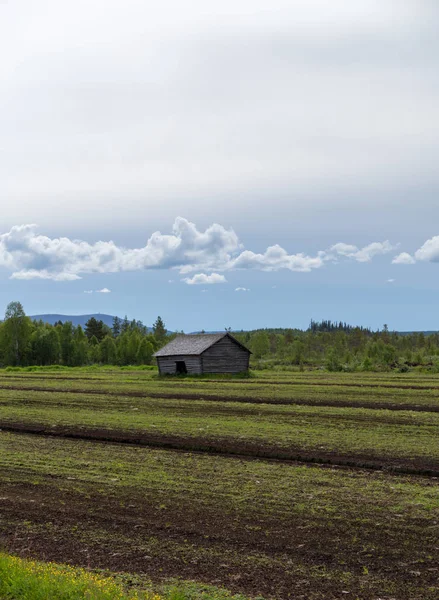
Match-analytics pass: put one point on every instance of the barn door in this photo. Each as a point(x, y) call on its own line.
point(180, 367)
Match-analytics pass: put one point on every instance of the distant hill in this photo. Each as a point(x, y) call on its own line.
point(75, 319)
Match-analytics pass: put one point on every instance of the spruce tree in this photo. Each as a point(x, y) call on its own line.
point(95, 328)
point(117, 323)
point(159, 329)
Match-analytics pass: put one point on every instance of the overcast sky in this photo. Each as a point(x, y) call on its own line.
point(239, 163)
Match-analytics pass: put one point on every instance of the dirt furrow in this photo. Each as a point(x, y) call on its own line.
point(246, 553)
point(232, 447)
point(218, 398)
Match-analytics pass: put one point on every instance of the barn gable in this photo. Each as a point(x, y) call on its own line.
point(226, 355)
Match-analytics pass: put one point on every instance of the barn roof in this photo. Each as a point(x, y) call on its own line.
point(193, 344)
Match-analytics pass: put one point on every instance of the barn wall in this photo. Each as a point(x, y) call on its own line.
point(225, 357)
point(166, 364)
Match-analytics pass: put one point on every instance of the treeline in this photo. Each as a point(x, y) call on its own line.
point(24, 342)
point(328, 345)
point(341, 347)
point(331, 326)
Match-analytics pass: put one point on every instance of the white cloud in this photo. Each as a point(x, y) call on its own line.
point(429, 252)
point(241, 289)
point(203, 278)
point(30, 255)
point(404, 259)
point(44, 274)
point(103, 291)
point(365, 254)
point(88, 291)
point(391, 281)
point(275, 258)
point(343, 249)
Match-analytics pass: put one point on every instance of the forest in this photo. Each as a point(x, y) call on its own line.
point(342, 347)
point(324, 345)
point(24, 342)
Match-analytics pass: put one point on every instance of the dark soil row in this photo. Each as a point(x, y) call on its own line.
point(219, 398)
point(250, 553)
point(95, 532)
point(232, 447)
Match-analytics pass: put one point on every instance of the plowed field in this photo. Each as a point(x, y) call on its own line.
point(307, 486)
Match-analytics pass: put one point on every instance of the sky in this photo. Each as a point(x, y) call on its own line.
point(245, 163)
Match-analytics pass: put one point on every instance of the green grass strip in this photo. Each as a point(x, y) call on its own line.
point(31, 580)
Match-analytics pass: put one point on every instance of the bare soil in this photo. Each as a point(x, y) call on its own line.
point(255, 554)
point(231, 447)
point(239, 399)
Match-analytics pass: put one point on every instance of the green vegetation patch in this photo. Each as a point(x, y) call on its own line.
point(32, 580)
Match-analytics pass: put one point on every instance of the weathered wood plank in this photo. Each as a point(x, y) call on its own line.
point(225, 356)
point(167, 364)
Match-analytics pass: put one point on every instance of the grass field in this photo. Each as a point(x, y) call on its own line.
point(282, 485)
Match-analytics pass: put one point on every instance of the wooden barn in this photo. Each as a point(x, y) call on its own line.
point(203, 353)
